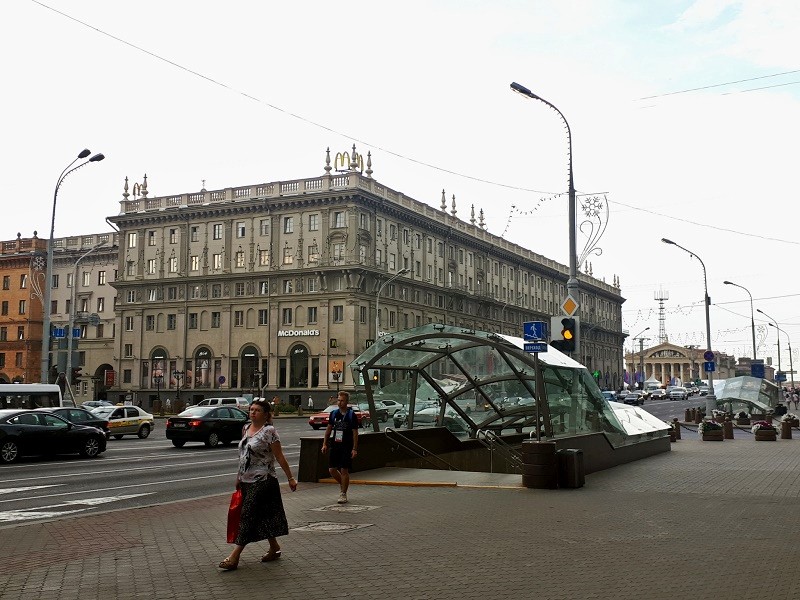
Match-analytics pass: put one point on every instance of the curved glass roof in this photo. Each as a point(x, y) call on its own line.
point(475, 381)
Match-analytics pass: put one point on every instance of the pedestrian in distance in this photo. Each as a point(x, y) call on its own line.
point(262, 516)
point(343, 444)
point(310, 403)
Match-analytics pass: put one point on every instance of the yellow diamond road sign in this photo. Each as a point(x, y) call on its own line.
point(569, 306)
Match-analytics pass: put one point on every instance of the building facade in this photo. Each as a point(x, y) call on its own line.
point(273, 289)
point(669, 363)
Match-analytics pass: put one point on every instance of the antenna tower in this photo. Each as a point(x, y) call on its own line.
point(661, 296)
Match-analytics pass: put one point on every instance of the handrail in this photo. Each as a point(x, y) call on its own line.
point(424, 455)
point(491, 441)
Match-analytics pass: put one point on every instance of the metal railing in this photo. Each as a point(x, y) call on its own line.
point(495, 444)
point(417, 450)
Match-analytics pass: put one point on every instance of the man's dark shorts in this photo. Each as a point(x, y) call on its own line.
point(340, 456)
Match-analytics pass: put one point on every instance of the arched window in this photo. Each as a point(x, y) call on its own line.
point(298, 366)
point(203, 368)
point(250, 367)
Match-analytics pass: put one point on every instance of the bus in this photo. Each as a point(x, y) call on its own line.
point(32, 395)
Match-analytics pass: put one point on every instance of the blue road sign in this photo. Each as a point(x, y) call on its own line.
point(757, 370)
point(708, 355)
point(76, 332)
point(534, 331)
point(780, 376)
point(709, 366)
point(535, 347)
point(59, 332)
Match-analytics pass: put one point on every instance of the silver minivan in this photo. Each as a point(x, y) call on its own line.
point(238, 402)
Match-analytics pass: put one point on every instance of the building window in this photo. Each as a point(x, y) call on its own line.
point(363, 222)
point(313, 253)
point(313, 222)
point(216, 261)
point(378, 227)
point(240, 229)
point(130, 296)
point(240, 259)
point(216, 290)
point(263, 316)
point(216, 317)
point(418, 241)
point(288, 224)
point(194, 233)
point(192, 320)
point(151, 267)
point(54, 307)
point(238, 289)
point(392, 261)
point(172, 321)
point(3, 334)
point(173, 236)
point(263, 227)
point(263, 258)
point(338, 313)
point(6, 282)
point(54, 281)
point(128, 323)
point(99, 330)
point(2, 360)
point(195, 262)
point(22, 306)
point(150, 323)
point(151, 238)
point(23, 281)
point(286, 316)
point(288, 257)
point(338, 219)
point(126, 375)
point(312, 314)
point(4, 309)
point(216, 231)
point(238, 318)
point(362, 314)
point(173, 264)
point(311, 284)
point(152, 295)
point(101, 304)
point(132, 239)
point(194, 292)
point(391, 318)
point(263, 287)
point(21, 332)
point(378, 256)
point(406, 237)
point(392, 232)
point(101, 278)
point(287, 286)
point(127, 351)
point(172, 293)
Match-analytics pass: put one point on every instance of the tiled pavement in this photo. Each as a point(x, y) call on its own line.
point(707, 520)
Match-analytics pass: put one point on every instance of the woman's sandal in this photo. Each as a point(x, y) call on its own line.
point(270, 556)
point(228, 565)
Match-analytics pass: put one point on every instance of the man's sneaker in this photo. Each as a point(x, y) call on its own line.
point(342, 498)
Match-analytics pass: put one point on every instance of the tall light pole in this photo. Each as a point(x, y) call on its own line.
point(791, 366)
point(633, 354)
point(48, 282)
point(780, 383)
point(378, 300)
point(72, 300)
point(752, 316)
point(711, 399)
point(572, 282)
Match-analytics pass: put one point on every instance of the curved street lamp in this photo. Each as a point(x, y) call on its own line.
point(789, 341)
point(48, 284)
point(572, 282)
point(378, 300)
point(775, 325)
point(711, 399)
point(641, 351)
point(752, 316)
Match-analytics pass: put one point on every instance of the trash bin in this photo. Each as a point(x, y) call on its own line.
point(570, 468)
point(539, 468)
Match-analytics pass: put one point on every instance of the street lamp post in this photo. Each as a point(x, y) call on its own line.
point(711, 399)
point(378, 300)
point(48, 282)
point(337, 375)
point(572, 282)
point(775, 325)
point(789, 341)
point(178, 375)
point(633, 355)
point(72, 301)
point(158, 379)
point(752, 316)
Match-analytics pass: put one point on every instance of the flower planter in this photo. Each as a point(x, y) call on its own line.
point(715, 435)
point(766, 435)
point(794, 422)
point(743, 421)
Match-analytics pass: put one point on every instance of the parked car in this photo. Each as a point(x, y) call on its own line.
point(320, 419)
point(678, 393)
point(33, 432)
point(238, 402)
point(391, 406)
point(126, 420)
point(81, 416)
point(609, 396)
point(703, 390)
point(212, 425)
point(659, 394)
point(90, 404)
point(381, 411)
point(634, 399)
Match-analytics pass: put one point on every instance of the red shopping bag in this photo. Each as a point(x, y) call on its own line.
point(234, 513)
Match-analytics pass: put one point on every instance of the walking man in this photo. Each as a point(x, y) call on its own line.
point(343, 424)
point(310, 403)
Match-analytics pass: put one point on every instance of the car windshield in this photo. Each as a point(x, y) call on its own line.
point(196, 411)
point(104, 411)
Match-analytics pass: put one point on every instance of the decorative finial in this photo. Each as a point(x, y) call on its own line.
point(203, 188)
point(19, 235)
point(444, 202)
point(144, 186)
point(125, 193)
point(454, 211)
point(369, 164)
point(328, 161)
point(472, 215)
point(481, 222)
point(35, 234)
point(354, 159)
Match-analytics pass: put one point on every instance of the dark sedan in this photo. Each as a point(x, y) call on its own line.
point(80, 416)
point(212, 425)
point(634, 399)
point(33, 432)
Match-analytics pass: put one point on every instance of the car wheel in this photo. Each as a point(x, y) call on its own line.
point(9, 451)
point(144, 431)
point(178, 443)
point(315, 427)
point(213, 440)
point(384, 418)
point(117, 437)
point(91, 448)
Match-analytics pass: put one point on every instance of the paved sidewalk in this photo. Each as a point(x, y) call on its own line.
point(707, 520)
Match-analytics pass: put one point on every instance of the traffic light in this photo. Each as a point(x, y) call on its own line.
point(76, 373)
point(565, 333)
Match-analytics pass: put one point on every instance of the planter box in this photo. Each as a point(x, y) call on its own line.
point(743, 421)
point(766, 435)
point(715, 435)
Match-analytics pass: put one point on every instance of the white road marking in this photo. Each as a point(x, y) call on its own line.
point(28, 488)
point(29, 514)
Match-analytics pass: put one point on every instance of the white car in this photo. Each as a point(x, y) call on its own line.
point(678, 393)
point(389, 405)
point(126, 420)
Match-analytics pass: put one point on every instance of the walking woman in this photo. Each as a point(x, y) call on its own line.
point(263, 517)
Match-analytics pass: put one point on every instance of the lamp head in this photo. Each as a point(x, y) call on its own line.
point(666, 241)
point(728, 283)
point(403, 271)
point(760, 311)
point(97, 157)
point(84, 153)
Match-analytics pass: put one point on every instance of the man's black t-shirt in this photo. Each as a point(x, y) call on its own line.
point(342, 427)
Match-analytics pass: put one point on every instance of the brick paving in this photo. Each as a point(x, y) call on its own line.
point(706, 520)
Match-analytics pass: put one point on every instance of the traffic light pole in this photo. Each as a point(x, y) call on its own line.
point(72, 301)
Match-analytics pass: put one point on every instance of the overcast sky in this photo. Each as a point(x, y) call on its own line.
point(684, 116)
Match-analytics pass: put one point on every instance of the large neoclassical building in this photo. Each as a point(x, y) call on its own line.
point(668, 363)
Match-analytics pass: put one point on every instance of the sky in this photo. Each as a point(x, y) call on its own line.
point(683, 115)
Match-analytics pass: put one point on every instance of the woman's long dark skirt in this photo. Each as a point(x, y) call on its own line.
point(263, 516)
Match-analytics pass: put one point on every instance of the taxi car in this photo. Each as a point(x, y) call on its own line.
point(320, 419)
point(126, 420)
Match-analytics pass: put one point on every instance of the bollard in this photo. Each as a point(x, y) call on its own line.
point(677, 427)
point(727, 429)
point(687, 416)
point(698, 417)
point(539, 467)
point(786, 430)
